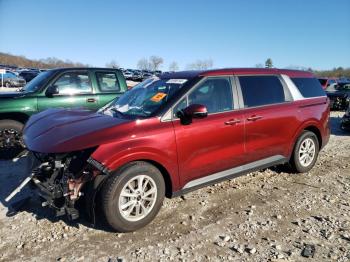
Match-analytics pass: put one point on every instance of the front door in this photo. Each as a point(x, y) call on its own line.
point(215, 143)
point(75, 91)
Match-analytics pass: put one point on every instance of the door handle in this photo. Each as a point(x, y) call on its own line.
point(254, 118)
point(91, 100)
point(232, 122)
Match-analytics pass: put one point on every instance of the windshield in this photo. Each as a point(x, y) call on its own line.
point(145, 98)
point(37, 82)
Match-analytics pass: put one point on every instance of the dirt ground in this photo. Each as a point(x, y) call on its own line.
point(265, 216)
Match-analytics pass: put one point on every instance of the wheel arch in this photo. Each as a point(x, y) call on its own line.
point(165, 174)
point(16, 116)
point(94, 187)
point(99, 180)
point(310, 126)
point(314, 129)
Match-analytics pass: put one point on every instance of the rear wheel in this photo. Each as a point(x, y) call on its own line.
point(11, 143)
point(305, 152)
point(132, 197)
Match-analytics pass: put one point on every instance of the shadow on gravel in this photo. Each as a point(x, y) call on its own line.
point(12, 173)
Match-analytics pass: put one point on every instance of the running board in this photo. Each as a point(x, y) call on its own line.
point(231, 173)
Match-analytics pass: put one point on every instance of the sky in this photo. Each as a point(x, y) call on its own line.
point(233, 33)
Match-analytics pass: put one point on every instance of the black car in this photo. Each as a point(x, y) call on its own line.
point(339, 95)
point(146, 74)
point(28, 75)
point(345, 122)
point(136, 76)
point(10, 79)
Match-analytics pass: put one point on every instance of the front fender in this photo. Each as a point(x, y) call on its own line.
point(114, 157)
point(27, 106)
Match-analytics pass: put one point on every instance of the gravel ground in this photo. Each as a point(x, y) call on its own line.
point(265, 216)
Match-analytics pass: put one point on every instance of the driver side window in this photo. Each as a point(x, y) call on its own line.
point(214, 93)
point(71, 83)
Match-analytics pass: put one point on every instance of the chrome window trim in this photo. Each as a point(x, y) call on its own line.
point(292, 88)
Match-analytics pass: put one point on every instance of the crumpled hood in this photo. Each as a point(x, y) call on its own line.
point(63, 130)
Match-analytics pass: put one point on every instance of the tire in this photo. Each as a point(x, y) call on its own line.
point(115, 194)
point(6, 151)
point(307, 142)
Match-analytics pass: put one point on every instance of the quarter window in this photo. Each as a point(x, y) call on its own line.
point(73, 83)
point(262, 90)
point(108, 81)
point(309, 87)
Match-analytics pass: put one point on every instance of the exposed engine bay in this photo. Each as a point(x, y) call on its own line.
point(59, 179)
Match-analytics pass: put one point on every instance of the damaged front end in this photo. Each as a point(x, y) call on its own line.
point(62, 179)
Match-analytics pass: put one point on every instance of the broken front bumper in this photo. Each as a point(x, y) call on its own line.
point(60, 181)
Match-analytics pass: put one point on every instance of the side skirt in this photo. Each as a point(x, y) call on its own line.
point(230, 174)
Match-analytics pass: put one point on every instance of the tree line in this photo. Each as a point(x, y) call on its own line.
point(152, 63)
point(50, 62)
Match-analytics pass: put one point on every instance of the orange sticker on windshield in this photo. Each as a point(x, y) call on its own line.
point(158, 97)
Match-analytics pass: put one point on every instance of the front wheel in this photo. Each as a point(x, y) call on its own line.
point(11, 142)
point(132, 197)
point(305, 152)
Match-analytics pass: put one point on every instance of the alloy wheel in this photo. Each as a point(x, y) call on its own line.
point(137, 198)
point(307, 152)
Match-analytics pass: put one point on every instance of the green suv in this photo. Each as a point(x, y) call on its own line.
point(89, 88)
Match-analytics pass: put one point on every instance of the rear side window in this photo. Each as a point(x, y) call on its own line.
point(262, 90)
point(309, 87)
point(108, 81)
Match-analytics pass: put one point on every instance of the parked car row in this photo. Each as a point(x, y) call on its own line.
point(28, 75)
point(138, 75)
point(10, 79)
point(14, 76)
point(339, 95)
point(167, 136)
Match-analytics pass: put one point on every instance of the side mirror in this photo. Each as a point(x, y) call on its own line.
point(193, 111)
point(51, 91)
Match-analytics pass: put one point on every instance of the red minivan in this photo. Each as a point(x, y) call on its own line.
point(172, 134)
